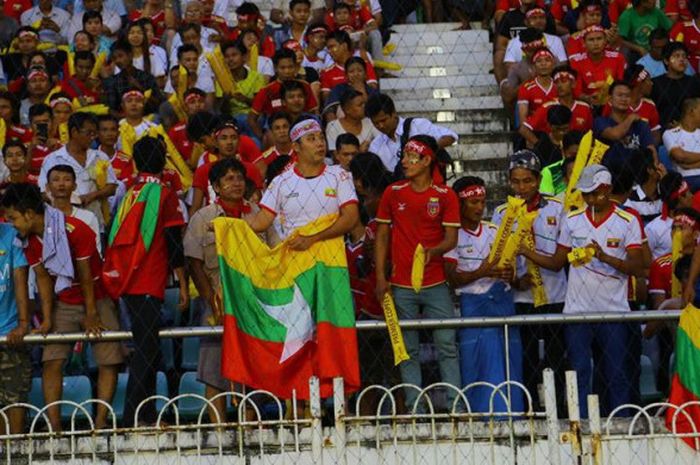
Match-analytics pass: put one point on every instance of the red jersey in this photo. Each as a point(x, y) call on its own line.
point(560, 8)
point(335, 75)
point(581, 117)
point(217, 23)
point(248, 151)
point(158, 21)
point(38, 155)
point(81, 241)
point(360, 17)
point(596, 76)
point(29, 178)
point(201, 178)
point(15, 8)
point(19, 132)
point(661, 276)
point(417, 218)
point(75, 88)
point(688, 33)
point(646, 110)
point(680, 8)
point(505, 5)
point(268, 47)
point(616, 7)
point(268, 100)
point(125, 171)
point(535, 95)
point(363, 276)
point(155, 263)
point(178, 134)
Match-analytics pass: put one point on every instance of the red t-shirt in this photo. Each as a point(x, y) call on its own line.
point(646, 110)
point(268, 47)
point(335, 75)
point(616, 7)
point(417, 218)
point(178, 134)
point(661, 276)
point(535, 95)
point(201, 178)
point(268, 100)
point(18, 132)
point(38, 155)
point(559, 8)
point(158, 21)
point(688, 33)
point(363, 281)
point(505, 5)
point(680, 8)
point(81, 241)
point(248, 151)
point(155, 263)
point(15, 8)
point(360, 17)
point(76, 89)
point(581, 117)
point(594, 75)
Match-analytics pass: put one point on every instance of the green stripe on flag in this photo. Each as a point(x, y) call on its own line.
point(330, 300)
point(688, 363)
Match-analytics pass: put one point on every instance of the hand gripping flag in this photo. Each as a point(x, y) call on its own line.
point(288, 315)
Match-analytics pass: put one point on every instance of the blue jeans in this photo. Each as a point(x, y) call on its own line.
point(693, 182)
point(612, 341)
point(435, 302)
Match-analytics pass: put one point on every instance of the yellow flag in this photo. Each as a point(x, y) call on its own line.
point(395, 334)
point(418, 268)
point(676, 252)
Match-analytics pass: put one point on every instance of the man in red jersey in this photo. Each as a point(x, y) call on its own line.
point(688, 33)
point(195, 101)
point(341, 50)
point(81, 86)
point(412, 213)
point(540, 89)
point(62, 252)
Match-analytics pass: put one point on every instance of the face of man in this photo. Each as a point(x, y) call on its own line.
point(27, 44)
point(40, 120)
point(595, 43)
point(598, 199)
point(22, 222)
point(473, 209)
point(677, 62)
point(286, 69)
point(295, 101)
point(5, 110)
point(345, 153)
point(564, 86)
point(61, 185)
point(231, 187)
point(15, 159)
point(537, 21)
point(386, 123)
point(318, 40)
point(280, 131)
point(62, 112)
point(524, 183)
point(656, 48)
point(121, 58)
point(544, 65)
point(190, 60)
point(84, 136)
point(83, 68)
point(338, 51)
point(620, 98)
point(311, 148)
point(38, 86)
point(108, 133)
point(592, 18)
point(133, 107)
point(227, 142)
point(414, 164)
point(234, 58)
point(194, 105)
point(300, 13)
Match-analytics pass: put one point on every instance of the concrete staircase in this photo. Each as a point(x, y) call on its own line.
point(446, 78)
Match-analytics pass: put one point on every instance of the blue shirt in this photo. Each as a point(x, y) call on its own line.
point(656, 68)
point(11, 257)
point(638, 137)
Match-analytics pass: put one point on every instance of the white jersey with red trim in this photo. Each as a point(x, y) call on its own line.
point(658, 233)
point(473, 247)
point(598, 287)
point(297, 201)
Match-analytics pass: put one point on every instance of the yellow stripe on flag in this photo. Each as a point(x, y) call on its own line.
point(277, 268)
point(690, 324)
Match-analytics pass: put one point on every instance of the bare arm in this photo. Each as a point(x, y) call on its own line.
point(616, 133)
point(446, 141)
point(528, 135)
point(551, 262)
point(632, 265)
point(381, 247)
point(499, 54)
point(261, 221)
point(44, 284)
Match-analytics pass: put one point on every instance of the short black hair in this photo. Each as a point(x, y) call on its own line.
point(91, 14)
point(237, 44)
point(669, 184)
point(341, 37)
point(530, 34)
point(290, 86)
point(617, 84)
point(355, 60)
point(623, 174)
point(279, 115)
point(277, 167)
point(220, 168)
point(347, 96)
point(201, 124)
point(564, 69)
point(107, 117)
point(182, 49)
point(189, 26)
point(282, 54)
point(379, 103)
point(23, 197)
point(672, 47)
point(121, 45)
point(340, 6)
point(78, 119)
point(84, 55)
point(571, 138)
point(662, 34)
point(633, 69)
point(149, 155)
point(194, 91)
point(248, 8)
point(39, 109)
point(558, 115)
point(14, 143)
point(294, 3)
point(368, 169)
point(346, 138)
point(61, 169)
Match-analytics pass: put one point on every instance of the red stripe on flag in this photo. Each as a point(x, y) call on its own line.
point(255, 362)
point(686, 418)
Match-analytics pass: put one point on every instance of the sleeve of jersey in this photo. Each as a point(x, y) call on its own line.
point(676, 33)
point(656, 285)
point(81, 240)
point(384, 210)
point(671, 8)
point(258, 104)
point(451, 256)
point(18, 257)
point(451, 216)
point(502, 5)
point(535, 120)
point(346, 190)
point(365, 15)
point(269, 198)
point(654, 120)
point(311, 101)
point(250, 150)
point(371, 74)
point(325, 82)
point(200, 180)
point(565, 235)
point(171, 212)
point(633, 235)
point(523, 96)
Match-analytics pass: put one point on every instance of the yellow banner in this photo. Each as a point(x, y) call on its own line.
point(395, 334)
point(418, 268)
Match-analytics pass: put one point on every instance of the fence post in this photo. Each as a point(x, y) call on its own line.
point(550, 405)
point(596, 429)
point(573, 436)
point(340, 432)
point(316, 427)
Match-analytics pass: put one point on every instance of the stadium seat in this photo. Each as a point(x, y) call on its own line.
point(167, 350)
point(647, 381)
point(171, 314)
point(190, 353)
point(189, 384)
point(77, 389)
point(119, 400)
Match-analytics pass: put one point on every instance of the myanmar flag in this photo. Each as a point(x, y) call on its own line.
point(686, 381)
point(288, 314)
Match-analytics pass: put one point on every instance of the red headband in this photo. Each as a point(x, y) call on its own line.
point(316, 30)
point(28, 33)
point(193, 98)
point(133, 93)
point(535, 12)
point(245, 18)
point(592, 29)
point(593, 9)
point(674, 196)
point(542, 53)
point(685, 220)
point(293, 45)
point(472, 191)
point(55, 102)
point(224, 127)
point(535, 44)
point(420, 148)
point(35, 73)
point(562, 75)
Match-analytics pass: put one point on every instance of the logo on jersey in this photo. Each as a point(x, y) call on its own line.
point(433, 206)
point(551, 221)
point(614, 243)
point(402, 206)
point(330, 192)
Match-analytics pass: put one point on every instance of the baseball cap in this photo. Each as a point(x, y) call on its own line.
point(525, 159)
point(593, 177)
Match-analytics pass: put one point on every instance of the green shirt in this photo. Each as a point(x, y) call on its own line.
point(553, 179)
point(636, 29)
point(249, 86)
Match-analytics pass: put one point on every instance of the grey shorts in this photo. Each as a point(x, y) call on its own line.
point(209, 366)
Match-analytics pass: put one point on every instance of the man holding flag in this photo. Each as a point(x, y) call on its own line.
point(288, 311)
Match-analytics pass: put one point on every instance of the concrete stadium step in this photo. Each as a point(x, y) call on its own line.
point(453, 104)
point(459, 59)
point(476, 120)
point(477, 126)
point(431, 27)
point(480, 152)
point(440, 82)
point(439, 48)
point(471, 69)
point(438, 93)
point(448, 40)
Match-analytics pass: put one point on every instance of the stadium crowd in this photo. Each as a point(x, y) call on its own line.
point(186, 112)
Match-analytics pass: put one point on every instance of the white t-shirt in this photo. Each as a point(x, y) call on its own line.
point(658, 233)
point(688, 141)
point(334, 129)
point(514, 52)
point(546, 232)
point(297, 201)
point(473, 247)
point(598, 287)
